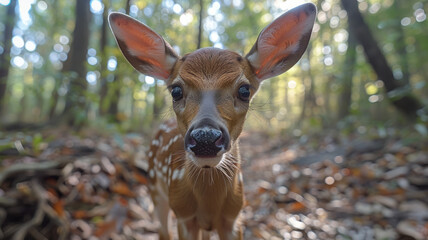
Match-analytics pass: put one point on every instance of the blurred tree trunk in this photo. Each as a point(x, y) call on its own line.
point(103, 63)
point(9, 23)
point(127, 6)
point(327, 118)
point(347, 74)
point(55, 95)
point(113, 101)
point(287, 100)
point(399, 94)
point(116, 85)
point(200, 27)
point(272, 104)
point(75, 105)
point(400, 44)
point(309, 94)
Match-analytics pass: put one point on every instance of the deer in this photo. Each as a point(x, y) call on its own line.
point(194, 163)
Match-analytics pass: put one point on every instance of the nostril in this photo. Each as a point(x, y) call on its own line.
point(220, 142)
point(191, 143)
point(205, 142)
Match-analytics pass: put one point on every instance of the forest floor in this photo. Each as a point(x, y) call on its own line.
point(57, 185)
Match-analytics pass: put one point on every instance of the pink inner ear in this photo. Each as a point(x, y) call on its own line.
point(281, 38)
point(143, 48)
point(281, 44)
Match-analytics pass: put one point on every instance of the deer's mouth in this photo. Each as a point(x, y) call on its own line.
point(205, 162)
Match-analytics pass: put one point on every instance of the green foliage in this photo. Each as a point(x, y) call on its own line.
point(37, 88)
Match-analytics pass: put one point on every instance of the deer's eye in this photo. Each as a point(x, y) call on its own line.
point(176, 93)
point(244, 93)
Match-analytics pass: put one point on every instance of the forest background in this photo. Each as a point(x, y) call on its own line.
point(54, 64)
point(361, 87)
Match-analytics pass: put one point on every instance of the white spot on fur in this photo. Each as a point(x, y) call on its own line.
point(155, 142)
point(171, 141)
point(181, 173)
point(175, 174)
point(150, 154)
point(165, 128)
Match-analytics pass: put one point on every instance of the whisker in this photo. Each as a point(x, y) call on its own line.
point(211, 176)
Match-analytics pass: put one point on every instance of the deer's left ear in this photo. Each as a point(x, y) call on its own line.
point(281, 44)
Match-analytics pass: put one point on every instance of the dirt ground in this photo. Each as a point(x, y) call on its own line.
point(89, 186)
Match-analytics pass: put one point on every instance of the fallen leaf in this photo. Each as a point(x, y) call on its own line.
point(58, 206)
point(123, 189)
point(79, 214)
point(295, 207)
point(140, 178)
point(410, 228)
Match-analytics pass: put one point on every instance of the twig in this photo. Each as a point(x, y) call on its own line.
point(3, 216)
point(36, 234)
point(7, 202)
point(63, 229)
point(23, 167)
point(38, 216)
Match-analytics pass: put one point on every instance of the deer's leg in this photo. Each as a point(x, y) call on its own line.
point(206, 235)
point(230, 230)
point(188, 229)
point(162, 212)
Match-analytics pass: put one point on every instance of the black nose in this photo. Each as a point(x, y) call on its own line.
point(205, 142)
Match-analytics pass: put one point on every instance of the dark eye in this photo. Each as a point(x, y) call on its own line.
point(176, 93)
point(244, 93)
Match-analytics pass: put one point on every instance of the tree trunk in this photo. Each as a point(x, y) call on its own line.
point(309, 94)
point(9, 23)
point(400, 44)
point(75, 105)
point(201, 18)
point(345, 96)
point(113, 108)
point(55, 95)
point(114, 96)
point(103, 80)
point(399, 94)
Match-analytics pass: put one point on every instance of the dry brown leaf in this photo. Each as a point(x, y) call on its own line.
point(295, 188)
point(123, 189)
point(388, 192)
point(79, 214)
point(296, 207)
point(58, 206)
point(140, 178)
point(105, 228)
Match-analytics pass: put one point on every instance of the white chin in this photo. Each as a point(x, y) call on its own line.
point(204, 162)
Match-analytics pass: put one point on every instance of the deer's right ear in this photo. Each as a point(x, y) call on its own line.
point(147, 52)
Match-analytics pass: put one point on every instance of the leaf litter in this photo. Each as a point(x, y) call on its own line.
point(65, 186)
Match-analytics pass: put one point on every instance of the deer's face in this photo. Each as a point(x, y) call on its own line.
point(211, 90)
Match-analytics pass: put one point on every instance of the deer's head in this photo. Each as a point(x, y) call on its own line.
point(212, 88)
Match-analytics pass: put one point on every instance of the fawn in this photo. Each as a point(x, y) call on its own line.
point(194, 160)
